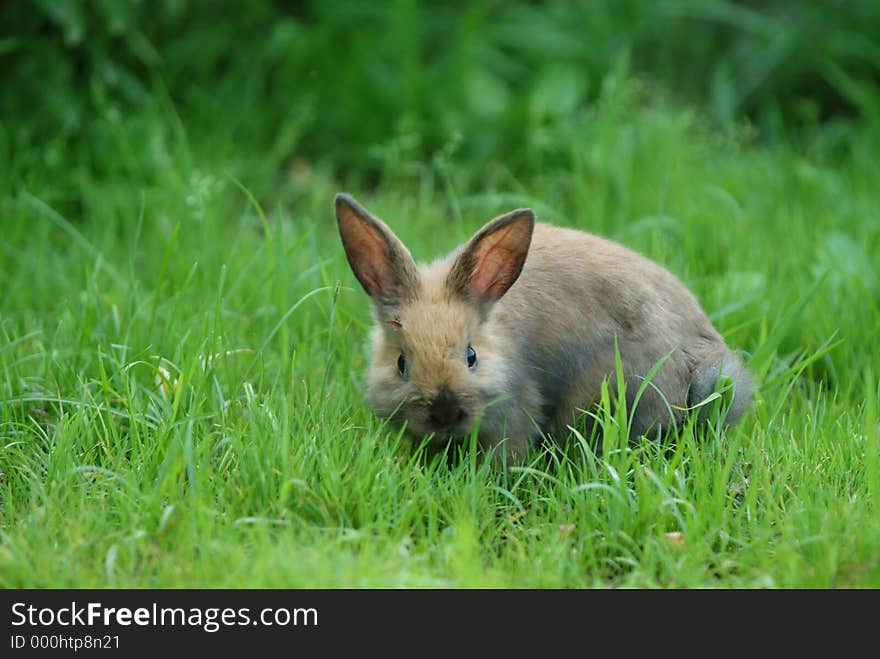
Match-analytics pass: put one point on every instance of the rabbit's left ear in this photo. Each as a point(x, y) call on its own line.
point(381, 263)
point(493, 259)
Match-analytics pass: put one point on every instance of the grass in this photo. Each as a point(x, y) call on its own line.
point(180, 364)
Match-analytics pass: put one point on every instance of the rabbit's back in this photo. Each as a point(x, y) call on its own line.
point(578, 293)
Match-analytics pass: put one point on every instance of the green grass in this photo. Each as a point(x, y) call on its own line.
point(180, 366)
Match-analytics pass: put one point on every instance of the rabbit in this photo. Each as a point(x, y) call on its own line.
point(516, 330)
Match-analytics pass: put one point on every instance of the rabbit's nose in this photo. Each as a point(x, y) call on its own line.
point(445, 411)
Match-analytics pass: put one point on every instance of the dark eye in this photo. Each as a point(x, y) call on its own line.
point(471, 356)
point(401, 364)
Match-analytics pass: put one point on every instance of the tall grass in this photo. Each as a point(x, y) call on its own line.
point(181, 370)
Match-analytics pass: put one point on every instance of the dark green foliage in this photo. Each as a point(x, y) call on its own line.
point(365, 84)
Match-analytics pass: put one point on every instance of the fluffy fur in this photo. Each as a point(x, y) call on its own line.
point(540, 306)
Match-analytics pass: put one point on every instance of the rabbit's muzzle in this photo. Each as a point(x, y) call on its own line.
point(445, 411)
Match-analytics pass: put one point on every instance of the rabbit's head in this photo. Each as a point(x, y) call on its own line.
point(436, 364)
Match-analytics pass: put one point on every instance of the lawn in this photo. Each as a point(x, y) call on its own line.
point(182, 346)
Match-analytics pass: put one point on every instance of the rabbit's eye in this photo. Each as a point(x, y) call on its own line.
point(471, 357)
point(401, 364)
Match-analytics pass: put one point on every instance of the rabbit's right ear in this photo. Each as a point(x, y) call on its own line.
point(381, 263)
point(492, 260)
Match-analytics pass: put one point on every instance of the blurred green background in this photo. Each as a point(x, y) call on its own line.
point(369, 89)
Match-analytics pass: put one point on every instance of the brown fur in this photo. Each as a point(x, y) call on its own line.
point(541, 306)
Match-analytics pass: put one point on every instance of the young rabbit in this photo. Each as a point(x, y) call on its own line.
point(516, 330)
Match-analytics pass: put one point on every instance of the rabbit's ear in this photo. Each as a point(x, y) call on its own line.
point(493, 259)
point(381, 263)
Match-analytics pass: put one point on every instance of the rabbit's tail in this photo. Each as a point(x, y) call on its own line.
point(727, 375)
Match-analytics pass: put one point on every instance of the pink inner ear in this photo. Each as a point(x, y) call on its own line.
point(369, 277)
point(370, 262)
point(496, 266)
point(492, 274)
point(370, 281)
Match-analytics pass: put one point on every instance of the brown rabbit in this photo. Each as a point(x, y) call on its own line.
point(516, 330)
